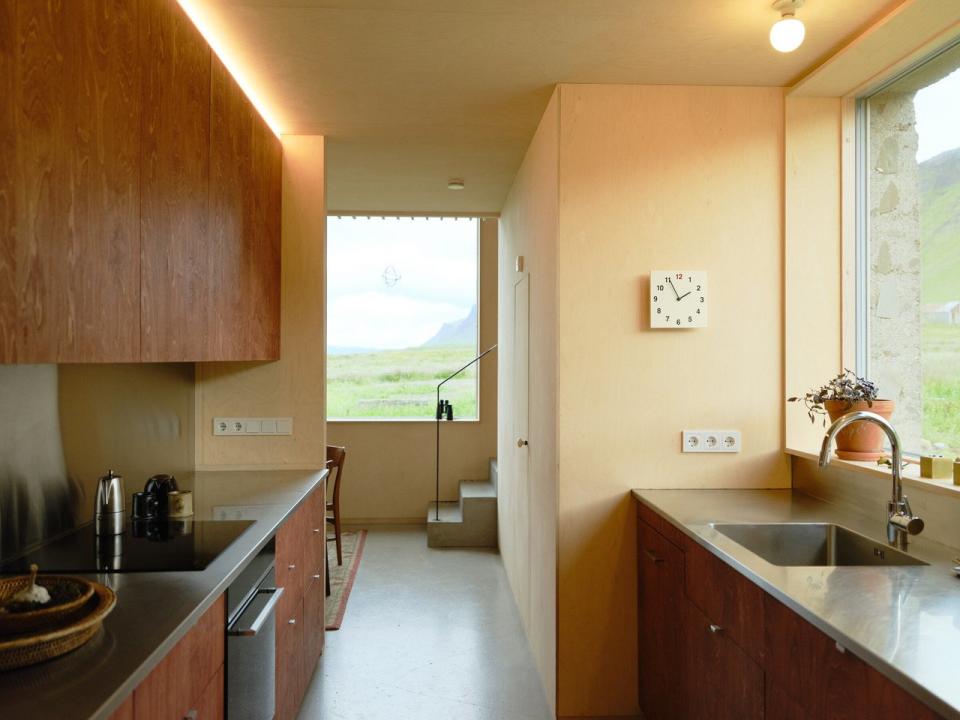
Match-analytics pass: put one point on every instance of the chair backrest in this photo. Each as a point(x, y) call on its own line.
point(336, 457)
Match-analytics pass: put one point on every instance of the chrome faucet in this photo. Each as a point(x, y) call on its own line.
point(901, 522)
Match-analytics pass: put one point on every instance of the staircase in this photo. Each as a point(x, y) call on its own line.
point(470, 521)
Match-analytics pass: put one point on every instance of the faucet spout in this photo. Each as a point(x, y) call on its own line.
point(900, 519)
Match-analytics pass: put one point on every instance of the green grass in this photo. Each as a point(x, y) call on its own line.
point(400, 383)
point(940, 355)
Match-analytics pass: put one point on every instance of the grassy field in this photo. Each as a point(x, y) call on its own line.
point(941, 385)
point(400, 383)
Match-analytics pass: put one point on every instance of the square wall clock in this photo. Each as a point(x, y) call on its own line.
point(678, 299)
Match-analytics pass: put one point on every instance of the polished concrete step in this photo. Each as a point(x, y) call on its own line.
point(469, 522)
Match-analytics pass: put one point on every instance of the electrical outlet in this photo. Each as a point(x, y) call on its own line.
point(252, 426)
point(711, 441)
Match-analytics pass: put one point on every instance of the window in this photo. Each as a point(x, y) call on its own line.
point(401, 316)
point(909, 250)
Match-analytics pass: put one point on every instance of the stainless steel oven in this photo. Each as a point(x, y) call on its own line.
point(251, 641)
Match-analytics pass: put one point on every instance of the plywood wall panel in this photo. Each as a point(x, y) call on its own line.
point(177, 267)
point(656, 178)
point(77, 120)
point(527, 503)
point(295, 385)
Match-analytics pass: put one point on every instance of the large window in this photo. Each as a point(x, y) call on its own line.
point(401, 316)
point(909, 307)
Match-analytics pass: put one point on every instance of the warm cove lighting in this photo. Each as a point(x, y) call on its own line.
point(788, 32)
point(214, 33)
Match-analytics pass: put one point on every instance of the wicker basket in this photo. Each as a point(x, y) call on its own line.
point(18, 623)
point(24, 650)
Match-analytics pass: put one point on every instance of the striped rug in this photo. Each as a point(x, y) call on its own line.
point(342, 576)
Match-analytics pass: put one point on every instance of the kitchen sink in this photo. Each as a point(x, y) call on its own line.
point(803, 544)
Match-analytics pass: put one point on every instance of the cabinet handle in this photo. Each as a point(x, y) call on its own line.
point(715, 629)
point(316, 531)
point(191, 715)
point(316, 577)
point(291, 566)
point(653, 556)
point(292, 621)
point(840, 648)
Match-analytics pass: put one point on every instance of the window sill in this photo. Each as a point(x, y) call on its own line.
point(402, 421)
point(911, 473)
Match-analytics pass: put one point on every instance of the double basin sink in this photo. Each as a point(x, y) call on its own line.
point(813, 544)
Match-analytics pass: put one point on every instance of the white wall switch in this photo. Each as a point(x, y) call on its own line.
point(252, 426)
point(710, 441)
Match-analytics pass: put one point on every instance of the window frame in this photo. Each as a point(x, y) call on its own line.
point(478, 218)
point(862, 211)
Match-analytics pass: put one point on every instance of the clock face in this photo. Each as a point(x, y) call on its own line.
point(678, 299)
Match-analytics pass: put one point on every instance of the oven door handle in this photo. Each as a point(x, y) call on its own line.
point(265, 613)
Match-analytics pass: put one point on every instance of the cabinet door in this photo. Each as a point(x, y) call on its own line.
point(290, 652)
point(210, 705)
point(176, 263)
point(69, 226)
point(660, 595)
point(313, 625)
point(723, 683)
point(244, 225)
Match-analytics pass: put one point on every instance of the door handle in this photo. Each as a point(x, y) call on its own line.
point(715, 629)
point(521, 443)
point(265, 613)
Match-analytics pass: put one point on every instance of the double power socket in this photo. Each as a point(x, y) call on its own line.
point(711, 441)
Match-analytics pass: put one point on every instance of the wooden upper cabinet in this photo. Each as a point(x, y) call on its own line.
point(139, 191)
point(69, 260)
point(244, 222)
point(176, 263)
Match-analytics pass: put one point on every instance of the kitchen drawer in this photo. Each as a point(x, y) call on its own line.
point(290, 661)
point(177, 684)
point(660, 524)
point(313, 628)
point(314, 509)
point(722, 682)
point(826, 681)
point(291, 555)
point(726, 597)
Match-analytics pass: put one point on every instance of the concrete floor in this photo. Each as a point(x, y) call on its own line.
point(428, 635)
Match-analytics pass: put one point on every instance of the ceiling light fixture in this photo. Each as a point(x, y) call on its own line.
point(788, 32)
point(456, 184)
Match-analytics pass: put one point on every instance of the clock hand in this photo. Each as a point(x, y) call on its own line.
point(685, 294)
point(674, 289)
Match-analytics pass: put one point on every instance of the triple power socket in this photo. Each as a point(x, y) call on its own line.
point(711, 441)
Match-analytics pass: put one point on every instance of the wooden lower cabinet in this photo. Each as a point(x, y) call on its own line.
point(743, 655)
point(723, 683)
point(660, 569)
point(190, 678)
point(301, 552)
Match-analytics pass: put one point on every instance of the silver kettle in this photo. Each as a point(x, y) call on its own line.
point(108, 509)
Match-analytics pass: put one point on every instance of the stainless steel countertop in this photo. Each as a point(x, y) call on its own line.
point(155, 610)
point(903, 621)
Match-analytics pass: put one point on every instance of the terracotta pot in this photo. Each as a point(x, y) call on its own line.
point(860, 440)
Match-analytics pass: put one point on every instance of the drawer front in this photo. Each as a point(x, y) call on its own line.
point(290, 671)
point(727, 598)
point(723, 683)
point(291, 555)
point(314, 535)
point(660, 524)
point(808, 667)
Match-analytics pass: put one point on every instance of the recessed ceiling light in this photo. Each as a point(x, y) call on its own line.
point(788, 32)
point(456, 184)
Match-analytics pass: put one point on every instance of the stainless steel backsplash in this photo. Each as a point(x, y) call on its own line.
point(61, 427)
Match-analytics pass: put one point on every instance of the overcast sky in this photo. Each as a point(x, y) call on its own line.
point(938, 116)
point(393, 282)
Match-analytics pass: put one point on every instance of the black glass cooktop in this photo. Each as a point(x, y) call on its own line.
point(145, 546)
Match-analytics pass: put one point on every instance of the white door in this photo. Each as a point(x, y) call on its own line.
point(521, 416)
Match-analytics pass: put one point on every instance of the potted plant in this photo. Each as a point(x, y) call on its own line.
point(847, 393)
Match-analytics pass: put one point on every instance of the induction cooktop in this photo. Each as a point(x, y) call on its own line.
point(144, 546)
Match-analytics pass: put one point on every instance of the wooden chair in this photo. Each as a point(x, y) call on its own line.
point(336, 457)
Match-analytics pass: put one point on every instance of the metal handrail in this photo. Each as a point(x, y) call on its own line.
point(440, 413)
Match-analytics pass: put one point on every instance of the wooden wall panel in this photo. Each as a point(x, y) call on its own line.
point(176, 263)
point(8, 281)
point(244, 225)
point(77, 197)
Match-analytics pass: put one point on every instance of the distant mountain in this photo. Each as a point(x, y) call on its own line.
point(459, 332)
point(940, 227)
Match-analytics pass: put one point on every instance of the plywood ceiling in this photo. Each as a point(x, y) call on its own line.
point(411, 93)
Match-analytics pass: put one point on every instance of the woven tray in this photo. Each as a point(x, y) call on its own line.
point(23, 650)
point(19, 623)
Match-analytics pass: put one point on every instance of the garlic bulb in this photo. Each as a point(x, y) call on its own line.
point(33, 593)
